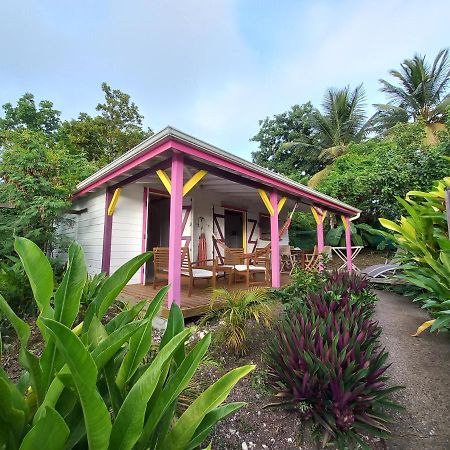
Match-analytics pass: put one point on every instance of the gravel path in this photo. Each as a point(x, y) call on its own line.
point(422, 365)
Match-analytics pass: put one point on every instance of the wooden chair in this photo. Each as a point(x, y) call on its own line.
point(287, 258)
point(254, 263)
point(312, 260)
point(189, 269)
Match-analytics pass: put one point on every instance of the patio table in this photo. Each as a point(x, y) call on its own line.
point(341, 252)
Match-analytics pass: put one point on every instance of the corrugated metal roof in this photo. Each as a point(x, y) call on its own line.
point(175, 134)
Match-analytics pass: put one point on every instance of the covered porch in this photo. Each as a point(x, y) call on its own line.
point(193, 306)
point(189, 188)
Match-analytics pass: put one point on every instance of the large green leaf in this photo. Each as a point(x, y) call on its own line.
point(84, 372)
point(10, 413)
point(125, 317)
point(175, 324)
point(68, 294)
point(113, 286)
point(38, 270)
point(140, 343)
point(111, 345)
point(129, 422)
point(49, 433)
point(209, 422)
point(173, 387)
point(183, 431)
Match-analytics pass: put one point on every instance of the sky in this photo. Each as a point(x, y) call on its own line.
point(212, 68)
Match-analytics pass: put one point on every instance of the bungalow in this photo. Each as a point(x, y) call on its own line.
point(173, 188)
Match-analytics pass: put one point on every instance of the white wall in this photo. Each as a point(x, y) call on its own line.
point(87, 229)
point(202, 206)
point(126, 239)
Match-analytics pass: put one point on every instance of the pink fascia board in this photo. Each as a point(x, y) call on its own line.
point(264, 179)
point(122, 169)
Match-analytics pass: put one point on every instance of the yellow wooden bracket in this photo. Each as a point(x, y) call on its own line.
point(266, 201)
point(344, 221)
point(164, 179)
point(114, 200)
point(281, 204)
point(193, 181)
point(319, 218)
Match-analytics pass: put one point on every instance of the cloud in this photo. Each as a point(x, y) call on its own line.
point(211, 68)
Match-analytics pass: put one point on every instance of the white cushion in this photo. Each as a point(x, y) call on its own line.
point(199, 273)
point(243, 268)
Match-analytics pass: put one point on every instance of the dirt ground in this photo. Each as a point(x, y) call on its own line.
point(422, 365)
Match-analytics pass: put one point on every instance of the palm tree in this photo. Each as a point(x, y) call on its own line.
point(420, 92)
point(342, 121)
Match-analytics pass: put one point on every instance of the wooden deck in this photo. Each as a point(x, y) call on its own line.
point(192, 306)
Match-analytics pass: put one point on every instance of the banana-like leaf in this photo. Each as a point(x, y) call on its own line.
point(129, 422)
point(50, 432)
point(183, 431)
point(124, 317)
point(10, 411)
point(68, 294)
point(140, 343)
point(175, 324)
point(113, 286)
point(27, 359)
point(209, 422)
point(84, 372)
point(38, 270)
point(174, 386)
point(108, 348)
point(442, 321)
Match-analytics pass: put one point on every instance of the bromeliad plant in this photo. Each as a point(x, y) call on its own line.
point(423, 238)
point(326, 362)
point(97, 385)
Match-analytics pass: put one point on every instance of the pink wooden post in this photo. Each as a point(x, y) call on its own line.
point(275, 241)
point(319, 216)
point(107, 233)
point(175, 229)
point(144, 230)
point(348, 242)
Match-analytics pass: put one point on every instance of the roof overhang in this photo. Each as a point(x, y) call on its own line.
point(155, 151)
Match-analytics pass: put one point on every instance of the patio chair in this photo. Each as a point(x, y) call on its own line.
point(289, 261)
point(192, 270)
point(254, 263)
point(382, 272)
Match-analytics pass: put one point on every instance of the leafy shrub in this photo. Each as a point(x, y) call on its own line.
point(234, 310)
point(96, 385)
point(325, 355)
point(302, 283)
point(422, 236)
point(92, 288)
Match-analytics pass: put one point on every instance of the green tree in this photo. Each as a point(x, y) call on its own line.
point(371, 173)
point(420, 92)
point(38, 177)
point(288, 143)
point(114, 131)
point(343, 120)
point(26, 115)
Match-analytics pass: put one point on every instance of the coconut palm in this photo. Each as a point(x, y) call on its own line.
point(343, 120)
point(420, 92)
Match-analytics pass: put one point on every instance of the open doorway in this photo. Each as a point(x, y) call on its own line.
point(157, 228)
point(234, 225)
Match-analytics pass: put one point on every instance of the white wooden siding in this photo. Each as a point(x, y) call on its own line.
point(126, 238)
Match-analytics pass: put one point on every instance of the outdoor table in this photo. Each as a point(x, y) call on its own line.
point(341, 252)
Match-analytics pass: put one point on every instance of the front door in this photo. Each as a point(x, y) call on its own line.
point(234, 226)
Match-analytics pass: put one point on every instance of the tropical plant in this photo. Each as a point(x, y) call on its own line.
point(302, 284)
point(420, 93)
point(235, 310)
point(96, 385)
point(362, 234)
point(326, 362)
point(371, 173)
point(92, 288)
point(422, 235)
point(342, 121)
